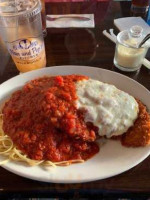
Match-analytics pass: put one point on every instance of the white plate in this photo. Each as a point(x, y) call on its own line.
point(112, 159)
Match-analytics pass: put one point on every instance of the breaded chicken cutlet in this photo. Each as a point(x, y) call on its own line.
point(139, 134)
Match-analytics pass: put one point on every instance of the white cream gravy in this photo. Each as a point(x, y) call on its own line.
point(108, 108)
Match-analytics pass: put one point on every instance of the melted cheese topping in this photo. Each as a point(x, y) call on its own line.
point(108, 108)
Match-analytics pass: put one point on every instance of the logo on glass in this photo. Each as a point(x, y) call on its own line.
point(25, 44)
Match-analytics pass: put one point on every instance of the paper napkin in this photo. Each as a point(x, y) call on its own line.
point(71, 22)
point(128, 22)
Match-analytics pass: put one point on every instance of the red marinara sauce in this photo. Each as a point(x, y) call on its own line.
point(44, 123)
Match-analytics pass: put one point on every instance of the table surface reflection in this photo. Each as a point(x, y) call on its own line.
point(80, 46)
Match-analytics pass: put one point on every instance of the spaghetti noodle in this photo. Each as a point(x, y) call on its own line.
point(11, 153)
point(44, 126)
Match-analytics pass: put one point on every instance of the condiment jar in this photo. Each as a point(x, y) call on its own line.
point(128, 56)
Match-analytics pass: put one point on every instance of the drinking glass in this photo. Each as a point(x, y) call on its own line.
point(43, 16)
point(21, 30)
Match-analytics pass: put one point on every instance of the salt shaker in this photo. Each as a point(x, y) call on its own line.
point(128, 56)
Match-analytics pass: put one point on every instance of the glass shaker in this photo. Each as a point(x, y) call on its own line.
point(128, 56)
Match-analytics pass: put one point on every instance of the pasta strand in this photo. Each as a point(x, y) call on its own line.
point(8, 149)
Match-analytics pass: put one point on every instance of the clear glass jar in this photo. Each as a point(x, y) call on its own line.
point(128, 57)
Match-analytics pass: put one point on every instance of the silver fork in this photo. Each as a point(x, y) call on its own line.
point(73, 17)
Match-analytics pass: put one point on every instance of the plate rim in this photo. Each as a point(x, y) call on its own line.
point(68, 181)
point(87, 179)
point(84, 66)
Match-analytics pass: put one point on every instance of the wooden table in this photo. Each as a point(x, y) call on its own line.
point(79, 46)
